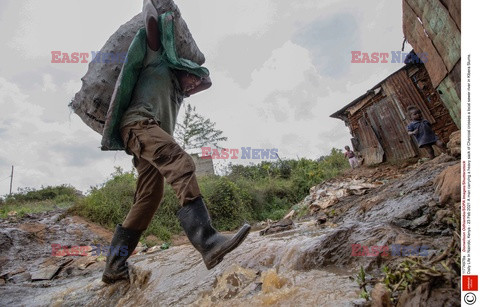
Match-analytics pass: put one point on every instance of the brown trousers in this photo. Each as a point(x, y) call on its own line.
point(156, 155)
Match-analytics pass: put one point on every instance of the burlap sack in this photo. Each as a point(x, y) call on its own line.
point(92, 101)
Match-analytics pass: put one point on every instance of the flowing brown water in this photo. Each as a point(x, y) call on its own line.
point(261, 272)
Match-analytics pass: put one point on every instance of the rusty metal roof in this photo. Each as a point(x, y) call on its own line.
point(339, 114)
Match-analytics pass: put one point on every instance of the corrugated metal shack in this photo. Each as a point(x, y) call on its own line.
point(377, 120)
point(433, 27)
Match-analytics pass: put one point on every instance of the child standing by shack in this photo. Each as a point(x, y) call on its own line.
point(423, 132)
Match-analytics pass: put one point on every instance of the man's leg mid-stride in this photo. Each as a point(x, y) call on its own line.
point(153, 148)
point(148, 195)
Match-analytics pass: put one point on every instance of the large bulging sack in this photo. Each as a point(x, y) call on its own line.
point(92, 101)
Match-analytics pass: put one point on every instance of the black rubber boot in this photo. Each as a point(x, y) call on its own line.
point(207, 240)
point(123, 244)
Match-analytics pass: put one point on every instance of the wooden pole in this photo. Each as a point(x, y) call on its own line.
point(11, 181)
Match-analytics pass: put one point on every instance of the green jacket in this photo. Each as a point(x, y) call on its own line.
point(131, 69)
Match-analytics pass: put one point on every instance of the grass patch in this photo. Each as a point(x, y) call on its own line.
point(29, 201)
point(33, 207)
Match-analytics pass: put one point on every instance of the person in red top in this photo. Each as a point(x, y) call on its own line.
point(352, 159)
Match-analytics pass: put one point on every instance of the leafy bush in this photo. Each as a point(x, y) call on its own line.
point(29, 200)
point(62, 192)
point(224, 200)
point(307, 173)
point(266, 199)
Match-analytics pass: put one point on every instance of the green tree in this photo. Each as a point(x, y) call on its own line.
point(196, 131)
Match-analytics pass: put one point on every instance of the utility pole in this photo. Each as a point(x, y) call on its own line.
point(11, 181)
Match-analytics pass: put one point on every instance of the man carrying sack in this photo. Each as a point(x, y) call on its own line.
point(141, 119)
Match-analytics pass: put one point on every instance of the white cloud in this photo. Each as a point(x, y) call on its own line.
point(74, 25)
point(48, 153)
point(212, 20)
point(48, 84)
point(283, 71)
point(14, 104)
point(72, 86)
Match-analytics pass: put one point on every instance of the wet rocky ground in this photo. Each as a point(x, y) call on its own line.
point(306, 259)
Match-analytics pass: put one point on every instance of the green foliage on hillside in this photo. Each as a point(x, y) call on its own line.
point(29, 200)
point(248, 193)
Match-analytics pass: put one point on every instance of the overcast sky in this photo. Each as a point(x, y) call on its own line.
point(279, 69)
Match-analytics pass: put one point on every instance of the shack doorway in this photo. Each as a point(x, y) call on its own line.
point(389, 128)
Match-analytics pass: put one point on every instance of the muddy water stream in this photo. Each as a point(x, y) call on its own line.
point(261, 272)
